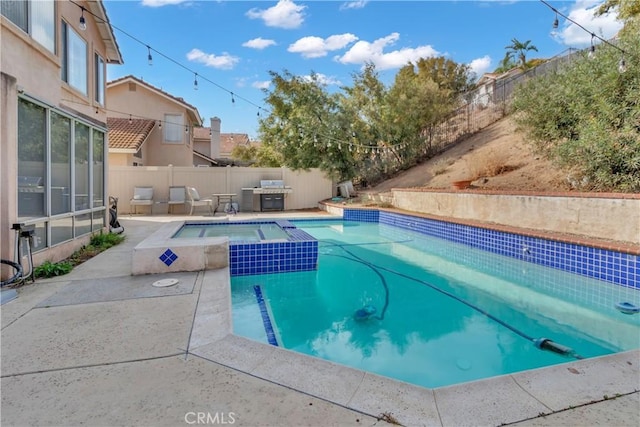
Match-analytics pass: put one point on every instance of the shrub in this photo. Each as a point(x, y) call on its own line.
point(585, 117)
point(98, 243)
point(52, 269)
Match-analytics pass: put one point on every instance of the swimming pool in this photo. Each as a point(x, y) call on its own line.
point(430, 311)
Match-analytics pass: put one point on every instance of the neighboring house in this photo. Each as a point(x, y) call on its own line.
point(488, 87)
point(212, 144)
point(150, 126)
point(53, 123)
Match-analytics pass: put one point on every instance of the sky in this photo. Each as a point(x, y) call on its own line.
point(233, 45)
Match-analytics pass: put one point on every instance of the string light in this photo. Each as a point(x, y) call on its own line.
point(130, 121)
point(233, 100)
point(622, 65)
point(195, 82)
point(555, 21)
point(593, 35)
point(186, 129)
point(149, 57)
point(592, 49)
point(83, 23)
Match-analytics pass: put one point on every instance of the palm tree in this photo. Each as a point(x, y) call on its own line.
point(506, 64)
point(520, 50)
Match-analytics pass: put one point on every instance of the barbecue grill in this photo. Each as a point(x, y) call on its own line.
point(268, 197)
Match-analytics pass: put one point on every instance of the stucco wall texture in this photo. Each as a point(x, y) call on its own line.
point(613, 216)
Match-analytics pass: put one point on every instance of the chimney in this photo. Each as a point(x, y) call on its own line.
point(215, 138)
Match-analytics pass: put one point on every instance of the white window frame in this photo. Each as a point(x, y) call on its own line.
point(99, 78)
point(37, 19)
point(173, 128)
point(74, 66)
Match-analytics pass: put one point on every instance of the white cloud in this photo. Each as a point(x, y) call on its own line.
point(479, 66)
point(223, 62)
point(363, 52)
point(357, 4)
point(261, 84)
point(259, 43)
point(160, 3)
point(605, 26)
point(316, 47)
point(285, 14)
point(323, 79)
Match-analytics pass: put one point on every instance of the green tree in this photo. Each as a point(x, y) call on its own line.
point(302, 127)
point(365, 130)
point(506, 63)
point(520, 49)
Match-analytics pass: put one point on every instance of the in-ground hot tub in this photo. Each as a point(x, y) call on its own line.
point(247, 247)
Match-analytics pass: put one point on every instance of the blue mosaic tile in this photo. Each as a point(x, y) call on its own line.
point(168, 257)
point(615, 267)
point(266, 319)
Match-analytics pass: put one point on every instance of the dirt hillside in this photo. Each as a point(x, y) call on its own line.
point(495, 158)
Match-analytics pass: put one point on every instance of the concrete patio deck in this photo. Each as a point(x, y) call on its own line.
point(101, 347)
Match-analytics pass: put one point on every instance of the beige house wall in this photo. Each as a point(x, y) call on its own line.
point(28, 69)
point(308, 187)
point(144, 103)
point(597, 216)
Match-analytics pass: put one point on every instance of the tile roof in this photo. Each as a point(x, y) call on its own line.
point(202, 133)
point(128, 133)
point(230, 140)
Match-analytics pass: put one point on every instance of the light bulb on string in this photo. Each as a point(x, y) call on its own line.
point(622, 65)
point(556, 23)
point(83, 23)
point(233, 100)
point(149, 57)
point(130, 120)
point(592, 49)
point(195, 82)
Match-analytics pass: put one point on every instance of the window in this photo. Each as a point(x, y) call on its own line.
point(82, 166)
point(34, 17)
point(32, 154)
point(60, 164)
point(173, 128)
point(74, 59)
point(98, 168)
point(60, 172)
point(99, 89)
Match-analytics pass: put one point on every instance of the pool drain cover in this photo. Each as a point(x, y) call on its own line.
point(164, 283)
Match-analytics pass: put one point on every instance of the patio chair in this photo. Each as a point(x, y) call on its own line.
point(177, 196)
point(142, 196)
point(193, 199)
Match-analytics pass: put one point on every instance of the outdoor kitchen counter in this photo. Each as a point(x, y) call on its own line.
point(251, 197)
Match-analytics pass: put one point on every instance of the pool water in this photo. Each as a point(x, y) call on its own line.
point(248, 232)
point(428, 311)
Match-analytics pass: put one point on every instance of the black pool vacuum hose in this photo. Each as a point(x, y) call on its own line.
point(540, 343)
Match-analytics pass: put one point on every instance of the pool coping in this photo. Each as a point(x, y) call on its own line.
point(497, 400)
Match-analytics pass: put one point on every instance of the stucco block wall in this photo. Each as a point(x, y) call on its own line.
point(599, 216)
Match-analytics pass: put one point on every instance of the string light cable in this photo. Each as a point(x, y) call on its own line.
point(591, 33)
point(234, 96)
point(337, 141)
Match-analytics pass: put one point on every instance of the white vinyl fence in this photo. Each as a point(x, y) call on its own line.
point(309, 187)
